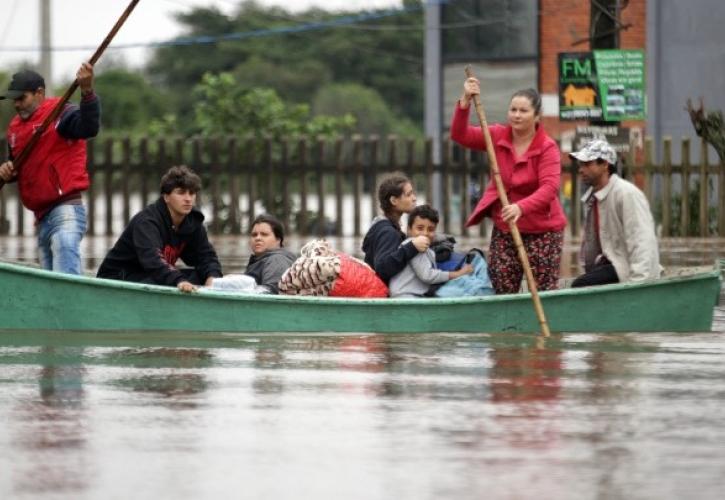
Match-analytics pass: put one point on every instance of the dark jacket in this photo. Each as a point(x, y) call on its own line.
point(81, 122)
point(383, 249)
point(149, 247)
point(269, 267)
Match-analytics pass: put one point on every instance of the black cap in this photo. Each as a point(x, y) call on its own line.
point(23, 81)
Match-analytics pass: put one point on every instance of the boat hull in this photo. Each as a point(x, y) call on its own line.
point(36, 300)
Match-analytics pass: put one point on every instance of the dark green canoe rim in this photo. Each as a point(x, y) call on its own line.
point(36, 299)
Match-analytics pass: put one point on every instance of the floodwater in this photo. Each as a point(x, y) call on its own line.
point(363, 416)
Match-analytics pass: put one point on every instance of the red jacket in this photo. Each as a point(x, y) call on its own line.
point(55, 169)
point(531, 181)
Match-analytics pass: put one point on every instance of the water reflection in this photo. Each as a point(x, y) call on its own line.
point(530, 373)
point(53, 424)
point(177, 374)
point(266, 382)
point(407, 416)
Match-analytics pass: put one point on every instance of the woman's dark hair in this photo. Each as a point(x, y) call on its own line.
point(180, 177)
point(391, 185)
point(274, 223)
point(423, 212)
point(533, 96)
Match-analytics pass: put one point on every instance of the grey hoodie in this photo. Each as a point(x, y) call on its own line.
point(417, 277)
point(269, 267)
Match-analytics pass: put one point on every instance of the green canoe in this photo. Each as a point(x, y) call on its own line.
point(33, 299)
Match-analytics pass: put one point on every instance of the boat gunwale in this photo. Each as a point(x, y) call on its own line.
point(714, 272)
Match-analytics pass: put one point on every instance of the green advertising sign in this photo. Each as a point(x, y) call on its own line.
point(604, 85)
point(621, 84)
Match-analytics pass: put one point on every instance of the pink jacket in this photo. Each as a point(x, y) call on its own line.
point(531, 181)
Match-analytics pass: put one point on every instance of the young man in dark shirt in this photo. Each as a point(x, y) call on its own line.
point(159, 235)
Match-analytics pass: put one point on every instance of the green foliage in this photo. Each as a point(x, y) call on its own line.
point(6, 107)
point(387, 58)
point(296, 81)
point(222, 107)
point(167, 125)
point(129, 101)
point(373, 114)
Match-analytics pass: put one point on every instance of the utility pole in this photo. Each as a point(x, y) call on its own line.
point(46, 63)
point(433, 89)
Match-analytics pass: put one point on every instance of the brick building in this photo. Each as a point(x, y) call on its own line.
point(567, 26)
point(515, 44)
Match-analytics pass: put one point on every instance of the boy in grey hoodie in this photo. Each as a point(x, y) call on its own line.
point(416, 278)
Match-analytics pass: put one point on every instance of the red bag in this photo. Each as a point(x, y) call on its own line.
point(356, 279)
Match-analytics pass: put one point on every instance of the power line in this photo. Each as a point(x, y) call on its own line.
point(413, 27)
point(347, 22)
point(190, 4)
point(210, 39)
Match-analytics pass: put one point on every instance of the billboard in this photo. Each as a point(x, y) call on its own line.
point(605, 85)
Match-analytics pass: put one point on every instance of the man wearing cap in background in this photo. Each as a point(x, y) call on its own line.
point(619, 233)
point(54, 175)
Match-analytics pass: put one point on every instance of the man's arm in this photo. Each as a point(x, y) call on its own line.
point(83, 122)
point(426, 272)
point(8, 172)
point(7, 169)
point(201, 255)
point(639, 236)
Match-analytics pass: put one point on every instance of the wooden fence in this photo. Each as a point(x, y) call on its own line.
point(304, 182)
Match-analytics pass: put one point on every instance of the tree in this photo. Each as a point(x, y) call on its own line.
point(129, 101)
point(223, 107)
point(372, 113)
point(710, 126)
point(6, 107)
point(296, 81)
point(384, 54)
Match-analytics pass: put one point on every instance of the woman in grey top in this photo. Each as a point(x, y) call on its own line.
point(269, 259)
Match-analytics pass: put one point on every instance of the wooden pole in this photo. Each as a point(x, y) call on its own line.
point(518, 242)
point(23, 156)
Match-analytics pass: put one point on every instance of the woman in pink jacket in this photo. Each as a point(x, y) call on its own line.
point(530, 166)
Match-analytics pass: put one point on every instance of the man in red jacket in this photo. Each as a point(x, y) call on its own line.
point(54, 175)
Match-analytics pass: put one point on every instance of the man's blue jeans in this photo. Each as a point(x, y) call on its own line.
point(59, 238)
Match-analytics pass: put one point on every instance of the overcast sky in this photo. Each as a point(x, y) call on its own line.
point(85, 23)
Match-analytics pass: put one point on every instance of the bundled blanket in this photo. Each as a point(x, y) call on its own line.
point(322, 271)
point(476, 283)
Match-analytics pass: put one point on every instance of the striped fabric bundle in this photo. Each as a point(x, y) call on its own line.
point(322, 271)
point(313, 273)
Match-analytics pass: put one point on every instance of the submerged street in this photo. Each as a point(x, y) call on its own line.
point(164, 415)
